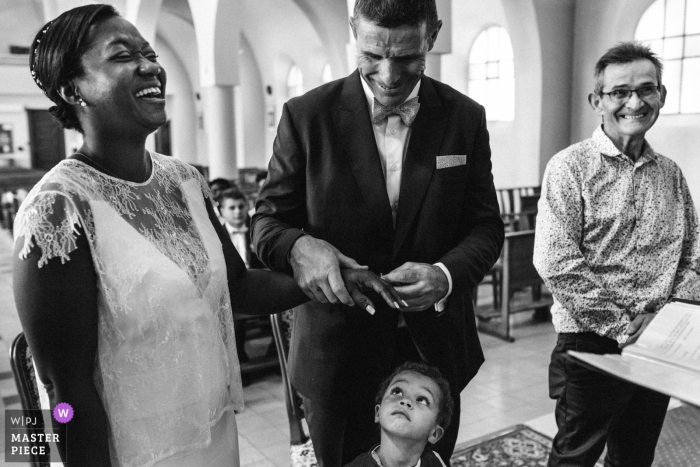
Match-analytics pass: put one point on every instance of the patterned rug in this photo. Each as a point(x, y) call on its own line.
point(679, 443)
point(519, 446)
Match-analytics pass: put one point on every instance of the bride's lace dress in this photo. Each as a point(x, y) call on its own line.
point(166, 368)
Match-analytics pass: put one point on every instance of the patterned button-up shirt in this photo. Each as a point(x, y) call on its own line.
point(615, 238)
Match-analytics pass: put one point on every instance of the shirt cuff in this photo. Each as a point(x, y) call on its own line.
point(440, 305)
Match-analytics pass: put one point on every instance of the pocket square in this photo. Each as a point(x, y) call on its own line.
point(443, 162)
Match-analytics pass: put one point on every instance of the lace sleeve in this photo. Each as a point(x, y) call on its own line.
point(206, 191)
point(50, 221)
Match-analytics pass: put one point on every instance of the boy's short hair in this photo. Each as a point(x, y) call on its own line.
point(231, 193)
point(222, 182)
point(446, 403)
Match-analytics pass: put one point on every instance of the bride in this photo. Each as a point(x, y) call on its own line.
point(125, 281)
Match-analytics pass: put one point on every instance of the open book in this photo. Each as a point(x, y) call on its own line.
point(665, 358)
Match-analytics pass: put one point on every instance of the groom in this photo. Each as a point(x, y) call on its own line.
point(393, 169)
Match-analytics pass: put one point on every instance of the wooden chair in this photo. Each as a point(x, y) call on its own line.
point(519, 211)
point(248, 327)
point(302, 453)
point(517, 272)
point(25, 378)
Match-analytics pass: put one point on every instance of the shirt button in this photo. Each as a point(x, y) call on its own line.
point(394, 206)
point(392, 132)
point(394, 167)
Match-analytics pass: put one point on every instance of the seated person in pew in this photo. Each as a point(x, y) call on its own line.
point(414, 408)
point(233, 207)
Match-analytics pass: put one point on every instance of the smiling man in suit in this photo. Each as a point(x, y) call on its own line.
point(392, 169)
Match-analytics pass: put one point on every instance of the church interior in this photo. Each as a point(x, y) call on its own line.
point(232, 65)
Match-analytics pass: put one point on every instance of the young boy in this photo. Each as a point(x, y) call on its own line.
point(234, 210)
point(414, 408)
point(233, 207)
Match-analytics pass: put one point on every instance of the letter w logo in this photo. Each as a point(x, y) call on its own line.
point(62, 413)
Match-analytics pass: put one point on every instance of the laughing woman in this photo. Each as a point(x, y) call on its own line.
point(124, 280)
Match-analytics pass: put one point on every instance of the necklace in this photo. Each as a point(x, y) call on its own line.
point(145, 172)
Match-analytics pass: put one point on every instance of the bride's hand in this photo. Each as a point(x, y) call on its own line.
point(359, 280)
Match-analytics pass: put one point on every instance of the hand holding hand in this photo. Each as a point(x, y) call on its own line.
point(637, 327)
point(420, 285)
point(316, 264)
point(359, 280)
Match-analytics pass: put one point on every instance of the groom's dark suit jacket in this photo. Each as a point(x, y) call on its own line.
point(325, 179)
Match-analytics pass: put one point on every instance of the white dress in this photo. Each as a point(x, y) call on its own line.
point(166, 367)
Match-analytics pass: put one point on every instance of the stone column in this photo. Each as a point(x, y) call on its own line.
point(219, 126)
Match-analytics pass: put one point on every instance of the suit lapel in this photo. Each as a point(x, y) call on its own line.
point(427, 133)
point(355, 129)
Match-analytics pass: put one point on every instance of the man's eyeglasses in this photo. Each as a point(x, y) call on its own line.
point(623, 95)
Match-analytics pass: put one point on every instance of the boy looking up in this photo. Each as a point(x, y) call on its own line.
point(414, 408)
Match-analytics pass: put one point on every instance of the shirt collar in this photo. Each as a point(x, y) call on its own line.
point(370, 95)
point(378, 461)
point(607, 147)
point(232, 230)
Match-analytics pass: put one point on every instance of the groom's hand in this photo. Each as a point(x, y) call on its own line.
point(420, 285)
point(316, 264)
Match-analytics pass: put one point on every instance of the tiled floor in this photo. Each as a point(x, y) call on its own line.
point(510, 388)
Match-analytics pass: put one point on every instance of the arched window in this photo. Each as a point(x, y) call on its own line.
point(327, 76)
point(295, 82)
point(672, 29)
point(491, 77)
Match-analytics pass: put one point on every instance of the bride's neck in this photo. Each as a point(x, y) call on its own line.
point(126, 161)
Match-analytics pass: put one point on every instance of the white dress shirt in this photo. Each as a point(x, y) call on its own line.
point(238, 238)
point(392, 137)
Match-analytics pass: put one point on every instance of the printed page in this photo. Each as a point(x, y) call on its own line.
point(672, 337)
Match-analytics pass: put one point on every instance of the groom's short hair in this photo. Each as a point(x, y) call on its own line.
point(394, 13)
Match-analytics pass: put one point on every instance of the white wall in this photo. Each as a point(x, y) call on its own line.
point(15, 32)
point(177, 33)
point(252, 106)
point(515, 146)
point(555, 20)
point(280, 34)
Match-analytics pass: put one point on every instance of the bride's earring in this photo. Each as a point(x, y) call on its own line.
point(81, 102)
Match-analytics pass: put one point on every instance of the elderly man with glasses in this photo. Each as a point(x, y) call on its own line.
point(617, 238)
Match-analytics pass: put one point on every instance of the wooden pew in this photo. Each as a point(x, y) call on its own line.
point(517, 272)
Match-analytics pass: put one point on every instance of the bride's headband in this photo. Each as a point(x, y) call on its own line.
point(34, 50)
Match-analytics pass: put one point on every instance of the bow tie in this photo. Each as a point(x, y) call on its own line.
point(236, 230)
point(407, 111)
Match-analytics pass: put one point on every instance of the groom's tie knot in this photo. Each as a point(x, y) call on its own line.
point(407, 111)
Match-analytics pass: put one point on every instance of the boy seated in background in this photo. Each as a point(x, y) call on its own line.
point(414, 408)
point(233, 207)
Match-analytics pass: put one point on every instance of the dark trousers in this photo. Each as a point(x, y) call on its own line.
point(594, 409)
point(342, 432)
